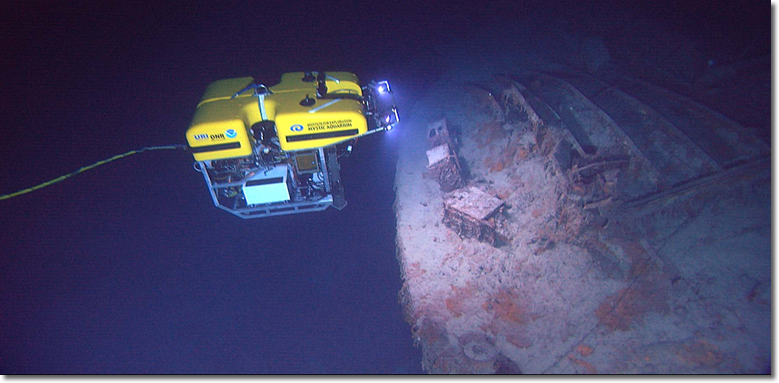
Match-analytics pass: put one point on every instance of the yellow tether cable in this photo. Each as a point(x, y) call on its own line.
point(85, 168)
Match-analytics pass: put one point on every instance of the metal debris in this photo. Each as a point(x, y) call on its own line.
point(444, 167)
point(438, 134)
point(470, 212)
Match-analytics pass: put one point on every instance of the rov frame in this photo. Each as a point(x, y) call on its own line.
point(292, 165)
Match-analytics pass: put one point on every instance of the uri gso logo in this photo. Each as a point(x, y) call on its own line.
point(296, 128)
point(201, 136)
point(231, 133)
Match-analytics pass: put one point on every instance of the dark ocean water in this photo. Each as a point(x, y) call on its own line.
point(129, 268)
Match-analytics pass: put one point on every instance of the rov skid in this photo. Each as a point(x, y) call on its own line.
point(273, 150)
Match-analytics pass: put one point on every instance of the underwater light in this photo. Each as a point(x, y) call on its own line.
point(383, 87)
point(382, 106)
point(391, 119)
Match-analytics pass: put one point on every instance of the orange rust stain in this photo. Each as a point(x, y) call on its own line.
point(488, 133)
point(415, 270)
point(588, 367)
point(584, 350)
point(521, 155)
point(503, 193)
point(618, 311)
point(456, 301)
point(519, 340)
point(700, 354)
point(577, 188)
point(638, 257)
point(506, 307)
point(498, 166)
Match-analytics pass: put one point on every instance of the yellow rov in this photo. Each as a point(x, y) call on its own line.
point(266, 151)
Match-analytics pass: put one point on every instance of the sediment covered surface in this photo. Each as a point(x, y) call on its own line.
point(637, 224)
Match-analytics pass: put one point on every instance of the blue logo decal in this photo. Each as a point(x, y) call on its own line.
point(231, 133)
point(201, 136)
point(296, 128)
